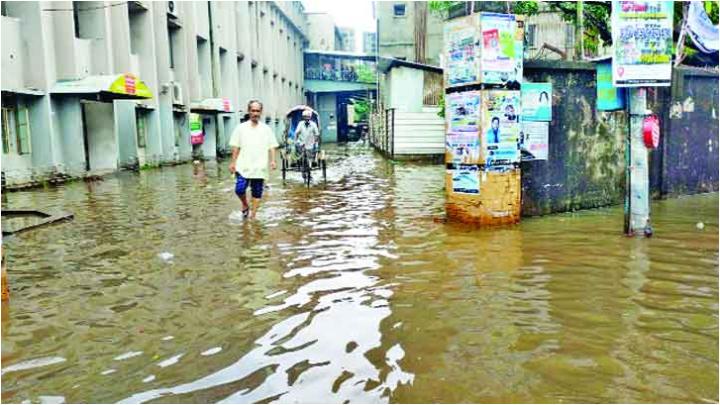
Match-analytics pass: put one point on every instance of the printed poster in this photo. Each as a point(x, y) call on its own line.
point(609, 97)
point(460, 36)
point(463, 147)
point(501, 128)
point(463, 111)
point(536, 101)
point(465, 179)
point(519, 47)
point(497, 52)
point(534, 140)
point(642, 42)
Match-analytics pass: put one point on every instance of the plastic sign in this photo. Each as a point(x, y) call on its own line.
point(651, 131)
point(642, 33)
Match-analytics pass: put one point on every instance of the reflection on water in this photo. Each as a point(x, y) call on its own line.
point(352, 291)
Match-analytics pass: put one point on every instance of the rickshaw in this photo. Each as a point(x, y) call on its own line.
point(294, 156)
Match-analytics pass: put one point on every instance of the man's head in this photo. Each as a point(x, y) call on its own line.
point(306, 114)
point(255, 108)
point(495, 123)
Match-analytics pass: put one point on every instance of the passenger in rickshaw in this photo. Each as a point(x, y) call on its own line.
point(307, 136)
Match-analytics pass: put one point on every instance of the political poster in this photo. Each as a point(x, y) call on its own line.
point(462, 147)
point(642, 34)
point(460, 37)
point(609, 97)
point(463, 111)
point(501, 128)
point(498, 48)
point(534, 140)
point(465, 179)
point(536, 101)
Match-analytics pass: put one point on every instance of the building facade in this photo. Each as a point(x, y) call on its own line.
point(370, 43)
point(96, 86)
point(323, 34)
point(347, 40)
point(408, 30)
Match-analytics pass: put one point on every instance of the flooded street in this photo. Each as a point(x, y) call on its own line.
point(354, 291)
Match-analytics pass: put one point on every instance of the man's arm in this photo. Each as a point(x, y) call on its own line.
point(273, 165)
point(235, 153)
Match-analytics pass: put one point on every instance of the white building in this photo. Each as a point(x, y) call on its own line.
point(97, 86)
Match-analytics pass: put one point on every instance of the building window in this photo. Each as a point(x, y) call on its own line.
point(399, 10)
point(141, 126)
point(23, 131)
point(8, 128)
point(171, 46)
point(530, 36)
point(16, 130)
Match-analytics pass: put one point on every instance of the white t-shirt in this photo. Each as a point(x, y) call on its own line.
point(255, 144)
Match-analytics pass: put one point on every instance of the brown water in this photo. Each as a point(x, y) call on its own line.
point(352, 292)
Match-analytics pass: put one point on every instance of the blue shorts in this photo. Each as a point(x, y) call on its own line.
point(241, 184)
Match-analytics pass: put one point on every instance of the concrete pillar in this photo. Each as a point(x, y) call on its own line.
point(637, 196)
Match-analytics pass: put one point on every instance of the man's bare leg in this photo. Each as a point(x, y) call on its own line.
point(255, 206)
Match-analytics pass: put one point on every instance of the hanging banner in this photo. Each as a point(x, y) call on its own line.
point(465, 179)
point(609, 97)
point(701, 30)
point(536, 104)
point(498, 48)
point(642, 43)
point(501, 126)
point(460, 36)
point(463, 111)
point(534, 140)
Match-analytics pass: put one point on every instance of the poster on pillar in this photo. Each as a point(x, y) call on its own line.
point(462, 147)
point(460, 52)
point(498, 48)
point(463, 111)
point(465, 178)
point(642, 33)
point(519, 47)
point(500, 129)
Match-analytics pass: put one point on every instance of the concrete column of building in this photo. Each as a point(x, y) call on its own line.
point(120, 29)
point(165, 138)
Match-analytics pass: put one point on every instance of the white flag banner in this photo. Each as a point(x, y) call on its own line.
point(701, 30)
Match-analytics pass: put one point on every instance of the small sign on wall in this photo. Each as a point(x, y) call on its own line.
point(534, 140)
point(536, 101)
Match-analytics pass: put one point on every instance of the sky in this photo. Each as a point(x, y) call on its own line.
point(355, 14)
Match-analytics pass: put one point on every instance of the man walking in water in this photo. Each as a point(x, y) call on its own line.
point(253, 145)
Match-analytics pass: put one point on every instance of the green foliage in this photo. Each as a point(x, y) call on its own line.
point(365, 74)
point(525, 7)
point(362, 109)
point(441, 104)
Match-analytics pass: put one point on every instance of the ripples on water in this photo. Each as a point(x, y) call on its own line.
point(352, 292)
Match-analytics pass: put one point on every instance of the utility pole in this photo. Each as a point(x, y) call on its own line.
point(637, 184)
point(579, 21)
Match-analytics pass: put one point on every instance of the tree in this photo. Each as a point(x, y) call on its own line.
point(362, 109)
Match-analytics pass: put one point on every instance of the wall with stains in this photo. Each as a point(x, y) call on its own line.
point(686, 161)
point(585, 166)
point(586, 163)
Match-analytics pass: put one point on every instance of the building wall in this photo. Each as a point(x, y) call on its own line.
point(406, 89)
point(586, 162)
point(397, 34)
point(214, 50)
point(327, 109)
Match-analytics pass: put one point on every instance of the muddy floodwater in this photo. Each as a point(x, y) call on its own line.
point(353, 291)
